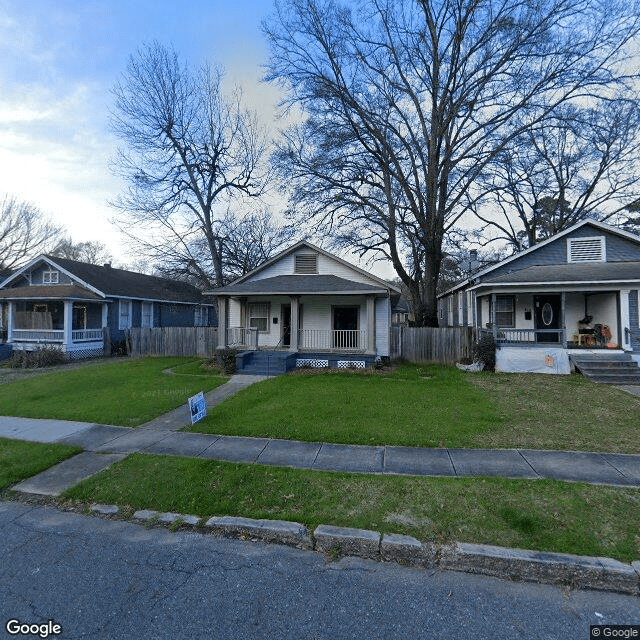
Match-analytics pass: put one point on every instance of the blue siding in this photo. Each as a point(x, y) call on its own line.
point(618, 250)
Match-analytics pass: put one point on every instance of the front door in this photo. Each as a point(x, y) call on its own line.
point(286, 325)
point(345, 325)
point(547, 317)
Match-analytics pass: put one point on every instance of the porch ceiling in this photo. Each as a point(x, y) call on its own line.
point(297, 285)
point(49, 292)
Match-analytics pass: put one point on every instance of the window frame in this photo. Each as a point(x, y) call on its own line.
point(129, 306)
point(251, 316)
point(51, 276)
point(149, 306)
point(512, 311)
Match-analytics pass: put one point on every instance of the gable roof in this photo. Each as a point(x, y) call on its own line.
point(299, 284)
point(304, 243)
point(105, 281)
point(600, 226)
point(571, 273)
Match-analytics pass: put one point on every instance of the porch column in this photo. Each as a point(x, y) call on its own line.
point(371, 326)
point(563, 323)
point(67, 336)
point(105, 315)
point(494, 326)
point(293, 330)
point(10, 320)
point(625, 334)
point(222, 322)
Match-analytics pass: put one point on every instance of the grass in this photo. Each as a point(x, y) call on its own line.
point(125, 392)
point(544, 515)
point(20, 460)
point(412, 406)
point(434, 406)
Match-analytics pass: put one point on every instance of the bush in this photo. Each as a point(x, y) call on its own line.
point(226, 358)
point(484, 352)
point(43, 357)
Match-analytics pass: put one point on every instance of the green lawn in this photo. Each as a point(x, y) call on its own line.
point(434, 406)
point(124, 392)
point(20, 460)
point(544, 515)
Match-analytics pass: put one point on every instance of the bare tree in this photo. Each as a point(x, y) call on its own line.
point(24, 232)
point(188, 151)
point(91, 251)
point(580, 163)
point(407, 102)
point(243, 243)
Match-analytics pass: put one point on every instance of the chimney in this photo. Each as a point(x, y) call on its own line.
point(107, 265)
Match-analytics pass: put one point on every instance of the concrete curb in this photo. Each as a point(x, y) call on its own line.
point(559, 569)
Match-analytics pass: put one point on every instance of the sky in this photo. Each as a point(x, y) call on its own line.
point(59, 60)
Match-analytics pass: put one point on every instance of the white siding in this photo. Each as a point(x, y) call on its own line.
point(326, 266)
point(383, 322)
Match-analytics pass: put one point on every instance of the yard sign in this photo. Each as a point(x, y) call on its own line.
point(198, 407)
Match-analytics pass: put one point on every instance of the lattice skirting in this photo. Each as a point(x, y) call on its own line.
point(312, 362)
point(351, 364)
point(83, 354)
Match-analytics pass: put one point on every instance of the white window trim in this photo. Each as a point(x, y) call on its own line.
point(268, 315)
point(50, 276)
point(600, 239)
point(142, 315)
point(200, 316)
point(121, 305)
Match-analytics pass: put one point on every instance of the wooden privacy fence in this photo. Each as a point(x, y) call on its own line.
point(428, 344)
point(172, 341)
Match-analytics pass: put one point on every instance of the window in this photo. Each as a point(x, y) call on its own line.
point(124, 313)
point(505, 311)
point(306, 263)
point(50, 277)
point(200, 319)
point(586, 249)
point(146, 319)
point(259, 316)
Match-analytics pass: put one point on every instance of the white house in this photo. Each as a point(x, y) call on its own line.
point(305, 306)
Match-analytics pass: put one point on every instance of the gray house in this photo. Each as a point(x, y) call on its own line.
point(569, 297)
point(71, 305)
point(305, 307)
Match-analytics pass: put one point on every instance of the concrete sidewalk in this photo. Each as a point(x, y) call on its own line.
point(108, 444)
point(104, 444)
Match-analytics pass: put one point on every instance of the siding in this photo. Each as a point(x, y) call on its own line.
point(383, 323)
point(634, 319)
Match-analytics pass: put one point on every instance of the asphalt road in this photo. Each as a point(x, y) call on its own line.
point(111, 579)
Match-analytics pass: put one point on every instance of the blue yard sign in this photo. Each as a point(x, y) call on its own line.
point(198, 407)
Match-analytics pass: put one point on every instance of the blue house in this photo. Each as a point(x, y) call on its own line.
point(74, 306)
point(573, 297)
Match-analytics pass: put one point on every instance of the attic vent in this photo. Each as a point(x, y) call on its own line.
point(306, 263)
point(586, 250)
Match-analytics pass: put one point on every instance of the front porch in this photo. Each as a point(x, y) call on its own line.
point(74, 328)
point(565, 319)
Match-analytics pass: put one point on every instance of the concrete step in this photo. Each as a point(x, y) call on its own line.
point(607, 368)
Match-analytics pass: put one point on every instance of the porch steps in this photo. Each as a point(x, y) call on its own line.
point(608, 368)
point(266, 363)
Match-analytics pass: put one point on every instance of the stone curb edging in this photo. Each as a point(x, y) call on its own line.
point(560, 569)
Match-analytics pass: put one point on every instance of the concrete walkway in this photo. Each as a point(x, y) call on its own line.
point(105, 445)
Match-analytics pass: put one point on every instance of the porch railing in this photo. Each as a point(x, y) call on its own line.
point(56, 335)
point(37, 335)
point(244, 337)
point(327, 340)
point(87, 335)
point(526, 336)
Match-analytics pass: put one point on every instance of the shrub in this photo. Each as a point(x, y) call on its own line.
point(226, 358)
point(484, 352)
point(42, 357)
